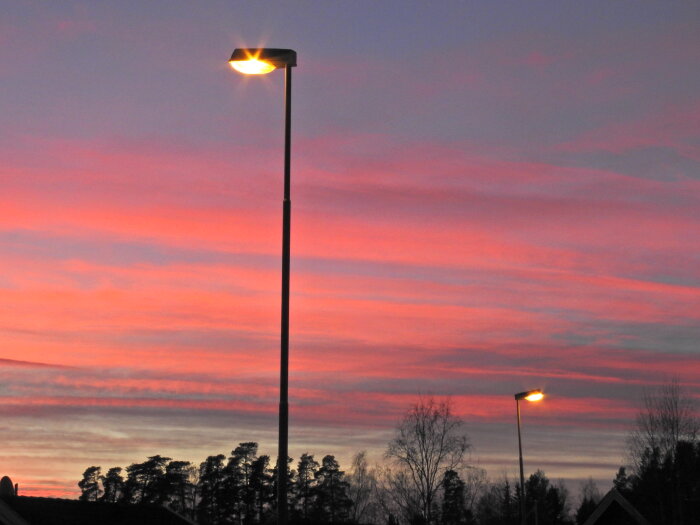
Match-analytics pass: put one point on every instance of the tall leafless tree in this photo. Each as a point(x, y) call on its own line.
point(667, 417)
point(429, 441)
point(362, 487)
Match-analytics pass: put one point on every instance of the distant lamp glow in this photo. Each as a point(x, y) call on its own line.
point(530, 395)
point(252, 66)
point(535, 396)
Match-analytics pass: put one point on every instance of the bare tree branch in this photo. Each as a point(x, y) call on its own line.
point(429, 441)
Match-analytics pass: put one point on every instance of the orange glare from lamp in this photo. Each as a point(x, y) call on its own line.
point(252, 66)
point(535, 396)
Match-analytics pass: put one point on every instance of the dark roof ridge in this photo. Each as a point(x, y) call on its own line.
point(32, 507)
point(9, 516)
point(614, 495)
point(83, 502)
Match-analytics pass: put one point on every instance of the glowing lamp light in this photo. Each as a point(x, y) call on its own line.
point(536, 396)
point(530, 395)
point(260, 61)
point(252, 66)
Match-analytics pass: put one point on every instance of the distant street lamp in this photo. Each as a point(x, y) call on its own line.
point(259, 62)
point(530, 395)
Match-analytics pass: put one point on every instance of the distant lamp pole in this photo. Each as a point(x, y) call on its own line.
point(259, 62)
point(530, 395)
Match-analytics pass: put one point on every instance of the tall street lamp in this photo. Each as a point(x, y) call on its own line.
point(259, 62)
point(530, 395)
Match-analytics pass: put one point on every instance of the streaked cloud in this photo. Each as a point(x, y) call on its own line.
point(511, 205)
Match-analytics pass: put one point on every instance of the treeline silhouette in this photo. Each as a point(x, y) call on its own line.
point(424, 480)
point(241, 489)
point(238, 489)
point(666, 487)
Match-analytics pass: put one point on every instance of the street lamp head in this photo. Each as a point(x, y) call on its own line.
point(259, 61)
point(530, 395)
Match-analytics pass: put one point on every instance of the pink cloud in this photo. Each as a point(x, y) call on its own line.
point(673, 126)
point(417, 263)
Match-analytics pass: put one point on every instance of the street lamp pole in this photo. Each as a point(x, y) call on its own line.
point(284, 339)
point(530, 395)
point(256, 62)
point(522, 474)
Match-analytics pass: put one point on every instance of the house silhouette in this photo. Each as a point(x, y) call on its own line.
point(28, 510)
point(614, 509)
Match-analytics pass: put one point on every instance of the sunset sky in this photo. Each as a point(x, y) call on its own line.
point(488, 197)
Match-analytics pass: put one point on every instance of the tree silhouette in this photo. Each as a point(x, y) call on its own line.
point(547, 500)
point(429, 441)
point(304, 485)
point(497, 505)
point(454, 511)
point(590, 497)
point(261, 487)
point(362, 486)
point(332, 504)
point(291, 482)
point(667, 417)
point(664, 452)
point(179, 489)
point(666, 490)
point(90, 484)
point(212, 491)
point(145, 482)
point(113, 485)
point(240, 468)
